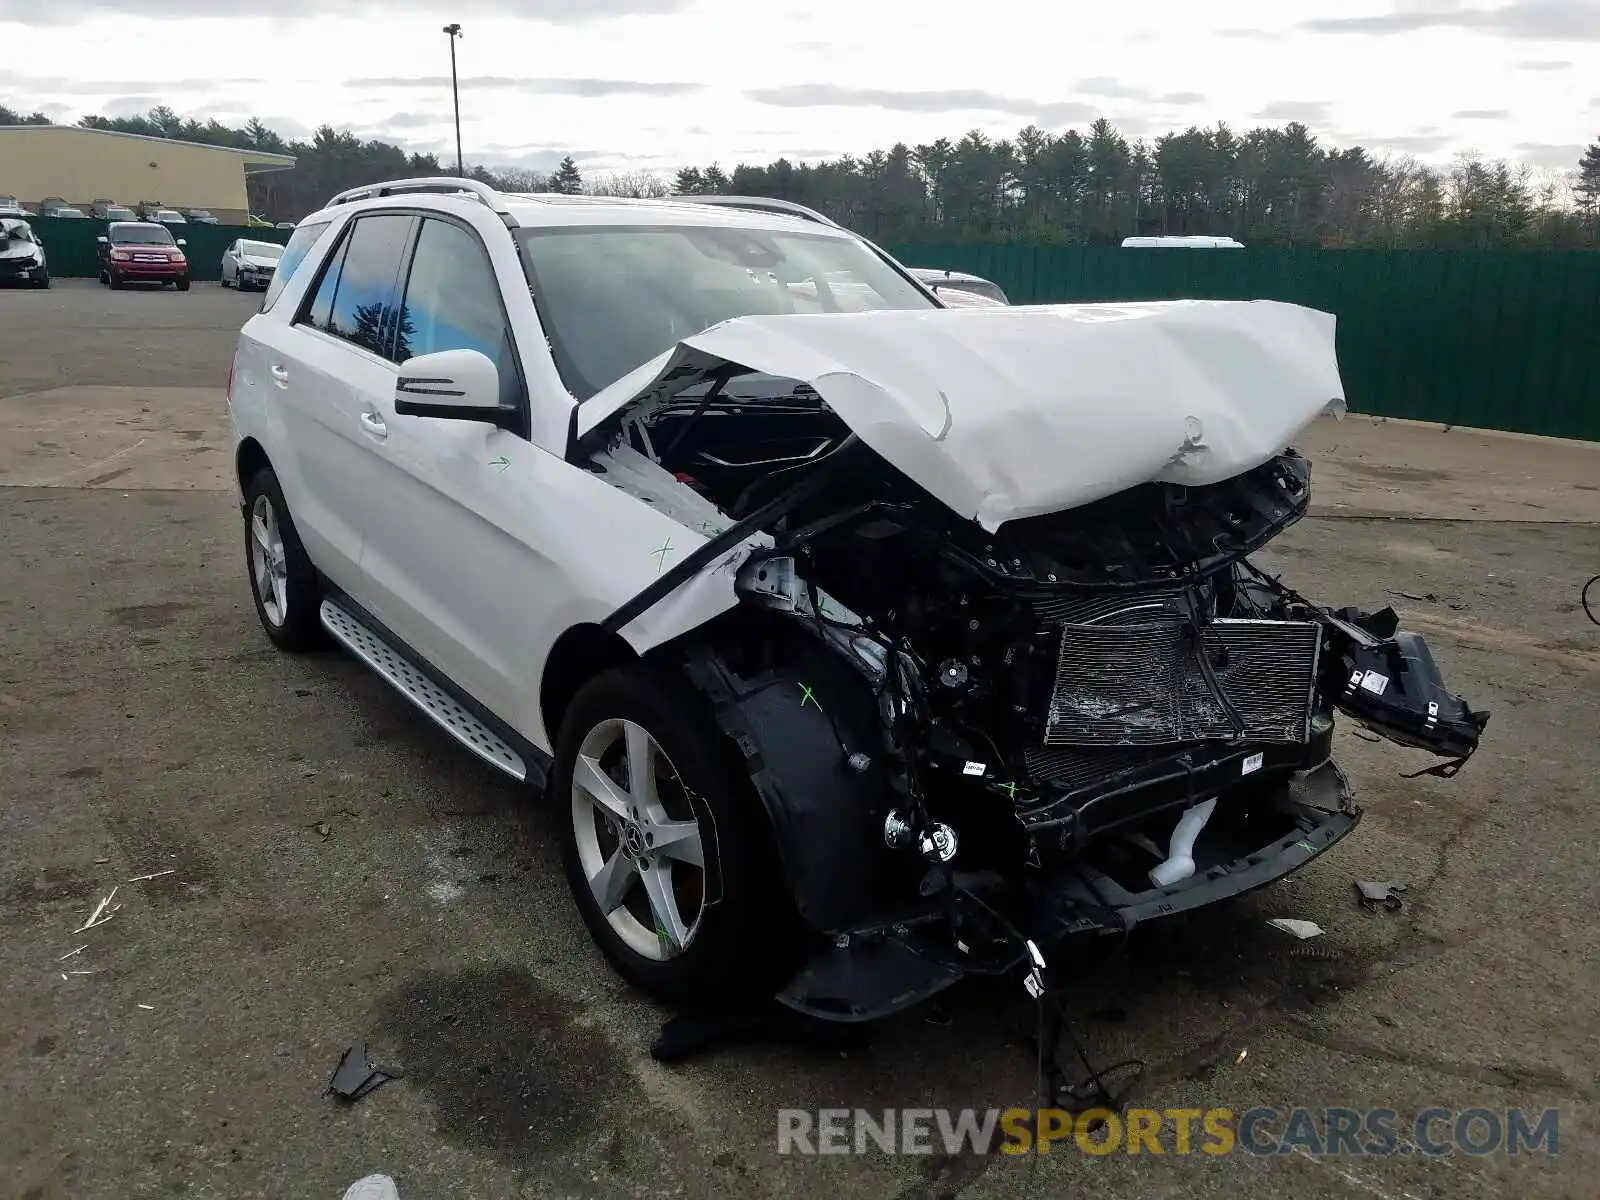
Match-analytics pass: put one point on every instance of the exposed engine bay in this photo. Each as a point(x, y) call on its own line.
point(972, 742)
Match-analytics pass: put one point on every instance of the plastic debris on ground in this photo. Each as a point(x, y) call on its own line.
point(1386, 893)
point(1300, 929)
point(372, 1187)
point(356, 1075)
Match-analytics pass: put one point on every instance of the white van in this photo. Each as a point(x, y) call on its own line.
point(1190, 241)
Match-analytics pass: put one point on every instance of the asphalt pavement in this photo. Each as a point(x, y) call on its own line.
point(301, 862)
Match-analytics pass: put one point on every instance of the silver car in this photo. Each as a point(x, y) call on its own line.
point(247, 264)
point(945, 283)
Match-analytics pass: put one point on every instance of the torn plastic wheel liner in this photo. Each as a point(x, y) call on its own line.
point(356, 1076)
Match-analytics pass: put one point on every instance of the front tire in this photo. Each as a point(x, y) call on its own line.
point(283, 582)
point(114, 280)
point(42, 282)
point(665, 846)
point(183, 284)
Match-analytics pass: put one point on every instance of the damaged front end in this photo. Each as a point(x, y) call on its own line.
point(967, 740)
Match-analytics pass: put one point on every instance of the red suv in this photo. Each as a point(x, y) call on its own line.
point(142, 252)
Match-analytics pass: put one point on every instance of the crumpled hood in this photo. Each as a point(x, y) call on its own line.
point(1011, 412)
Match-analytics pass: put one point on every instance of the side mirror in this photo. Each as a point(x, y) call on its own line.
point(460, 385)
point(183, 241)
point(103, 240)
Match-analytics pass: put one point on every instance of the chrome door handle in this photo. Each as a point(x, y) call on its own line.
point(280, 375)
point(373, 424)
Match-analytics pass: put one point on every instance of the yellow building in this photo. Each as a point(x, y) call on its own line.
point(84, 165)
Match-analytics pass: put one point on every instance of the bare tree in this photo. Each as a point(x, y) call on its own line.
point(631, 184)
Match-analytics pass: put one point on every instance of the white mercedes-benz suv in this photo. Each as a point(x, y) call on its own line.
point(857, 643)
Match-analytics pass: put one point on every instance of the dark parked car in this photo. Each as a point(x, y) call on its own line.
point(110, 210)
point(142, 252)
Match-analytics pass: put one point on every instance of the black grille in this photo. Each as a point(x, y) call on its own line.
point(1107, 607)
point(1073, 768)
point(1143, 685)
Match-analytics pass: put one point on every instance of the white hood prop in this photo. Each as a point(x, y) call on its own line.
point(1003, 413)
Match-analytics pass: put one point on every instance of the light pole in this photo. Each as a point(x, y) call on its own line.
point(454, 31)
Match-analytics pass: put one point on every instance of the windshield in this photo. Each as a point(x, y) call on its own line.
point(16, 230)
point(166, 214)
point(262, 250)
point(66, 212)
point(614, 297)
point(149, 235)
point(120, 214)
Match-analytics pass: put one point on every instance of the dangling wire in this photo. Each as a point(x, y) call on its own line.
point(1583, 598)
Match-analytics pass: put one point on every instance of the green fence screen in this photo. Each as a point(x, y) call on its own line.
point(1506, 339)
point(71, 244)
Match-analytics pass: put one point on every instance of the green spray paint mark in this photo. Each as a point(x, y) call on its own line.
point(1307, 847)
point(660, 555)
point(1010, 789)
point(806, 694)
point(503, 463)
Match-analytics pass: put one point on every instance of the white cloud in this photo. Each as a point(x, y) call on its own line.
point(692, 81)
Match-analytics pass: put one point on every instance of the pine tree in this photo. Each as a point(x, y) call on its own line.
point(1588, 185)
point(567, 180)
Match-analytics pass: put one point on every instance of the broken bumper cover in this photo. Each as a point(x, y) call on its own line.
point(872, 973)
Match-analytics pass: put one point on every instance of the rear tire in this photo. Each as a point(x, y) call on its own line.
point(747, 941)
point(283, 583)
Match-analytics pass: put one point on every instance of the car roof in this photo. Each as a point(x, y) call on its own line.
point(134, 225)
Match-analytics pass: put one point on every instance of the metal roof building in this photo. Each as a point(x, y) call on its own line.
point(82, 165)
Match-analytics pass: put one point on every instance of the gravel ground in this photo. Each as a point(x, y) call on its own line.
point(340, 872)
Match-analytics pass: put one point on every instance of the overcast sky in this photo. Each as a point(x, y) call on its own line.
point(660, 83)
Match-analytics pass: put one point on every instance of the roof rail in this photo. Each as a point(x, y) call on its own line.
point(444, 184)
point(764, 204)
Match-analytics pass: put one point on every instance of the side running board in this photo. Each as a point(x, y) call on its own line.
point(416, 686)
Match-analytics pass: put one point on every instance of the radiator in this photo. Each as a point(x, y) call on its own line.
point(1141, 684)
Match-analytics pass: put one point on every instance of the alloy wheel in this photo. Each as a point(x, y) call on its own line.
point(638, 840)
point(268, 562)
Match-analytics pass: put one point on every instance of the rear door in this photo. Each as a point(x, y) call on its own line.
point(323, 367)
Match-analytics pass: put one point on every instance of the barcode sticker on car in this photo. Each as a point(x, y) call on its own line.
point(1375, 683)
point(1253, 764)
point(974, 768)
